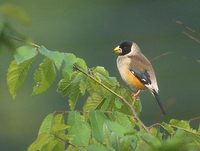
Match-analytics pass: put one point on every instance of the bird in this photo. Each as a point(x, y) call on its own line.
point(136, 70)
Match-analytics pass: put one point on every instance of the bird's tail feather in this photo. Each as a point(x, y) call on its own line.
point(159, 102)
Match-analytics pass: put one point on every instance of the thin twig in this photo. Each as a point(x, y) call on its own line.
point(161, 55)
point(185, 26)
point(63, 140)
point(119, 96)
point(191, 37)
point(24, 41)
point(189, 31)
point(196, 134)
point(155, 125)
point(194, 118)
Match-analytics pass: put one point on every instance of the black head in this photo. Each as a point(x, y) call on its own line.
point(124, 48)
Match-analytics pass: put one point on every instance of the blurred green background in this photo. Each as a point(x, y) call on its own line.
point(91, 29)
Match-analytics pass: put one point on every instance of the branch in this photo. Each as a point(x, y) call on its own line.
point(24, 41)
point(189, 31)
point(191, 37)
point(161, 55)
point(117, 95)
point(194, 118)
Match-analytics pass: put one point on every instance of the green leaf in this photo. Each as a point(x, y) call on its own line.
point(101, 70)
point(46, 124)
point(46, 142)
point(16, 12)
point(24, 53)
point(40, 142)
point(138, 106)
point(123, 143)
point(128, 143)
point(97, 147)
point(82, 64)
point(59, 124)
point(128, 96)
point(51, 134)
point(68, 62)
point(16, 75)
point(79, 129)
point(185, 125)
point(97, 120)
point(124, 121)
point(52, 124)
point(83, 85)
point(72, 88)
point(150, 139)
point(181, 123)
point(118, 104)
point(56, 56)
point(92, 102)
point(44, 76)
point(168, 128)
point(116, 127)
point(102, 74)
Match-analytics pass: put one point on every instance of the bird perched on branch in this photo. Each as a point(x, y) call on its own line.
point(136, 70)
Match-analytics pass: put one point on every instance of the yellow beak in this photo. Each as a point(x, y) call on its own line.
point(118, 50)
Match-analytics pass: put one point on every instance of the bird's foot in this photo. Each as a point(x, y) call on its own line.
point(135, 96)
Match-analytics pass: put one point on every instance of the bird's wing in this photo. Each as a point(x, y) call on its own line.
point(141, 67)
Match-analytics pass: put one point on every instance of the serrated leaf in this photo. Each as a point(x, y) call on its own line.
point(51, 134)
point(124, 121)
point(94, 88)
point(44, 76)
point(123, 143)
point(168, 128)
point(116, 128)
point(46, 124)
point(56, 56)
point(79, 129)
point(102, 74)
point(40, 142)
point(24, 53)
point(128, 143)
point(185, 125)
point(68, 62)
point(150, 139)
point(97, 120)
point(16, 12)
point(16, 75)
point(71, 88)
point(181, 123)
point(82, 64)
point(83, 85)
point(92, 102)
point(59, 127)
point(126, 95)
point(59, 124)
point(118, 104)
point(46, 142)
point(101, 70)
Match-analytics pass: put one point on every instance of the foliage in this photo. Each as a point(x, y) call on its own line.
point(109, 118)
point(106, 121)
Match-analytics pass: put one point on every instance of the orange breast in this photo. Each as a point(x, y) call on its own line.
point(133, 81)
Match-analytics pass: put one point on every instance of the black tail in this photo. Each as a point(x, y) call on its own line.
point(159, 102)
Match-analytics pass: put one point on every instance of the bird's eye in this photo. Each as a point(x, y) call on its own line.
point(125, 48)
